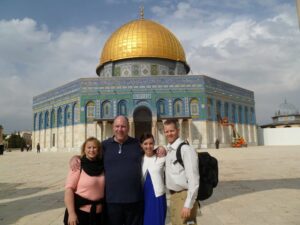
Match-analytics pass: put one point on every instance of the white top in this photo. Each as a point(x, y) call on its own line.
point(179, 178)
point(156, 168)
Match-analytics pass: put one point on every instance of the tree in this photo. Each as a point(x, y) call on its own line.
point(16, 141)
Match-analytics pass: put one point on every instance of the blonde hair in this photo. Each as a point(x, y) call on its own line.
point(171, 121)
point(98, 144)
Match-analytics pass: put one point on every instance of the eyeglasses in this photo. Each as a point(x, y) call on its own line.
point(120, 149)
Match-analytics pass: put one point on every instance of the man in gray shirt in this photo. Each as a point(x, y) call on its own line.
point(183, 183)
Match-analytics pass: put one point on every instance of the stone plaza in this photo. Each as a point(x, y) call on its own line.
point(258, 186)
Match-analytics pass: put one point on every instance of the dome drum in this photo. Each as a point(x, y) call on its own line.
point(142, 67)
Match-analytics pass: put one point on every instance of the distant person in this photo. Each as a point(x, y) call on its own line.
point(84, 189)
point(155, 203)
point(217, 143)
point(38, 148)
point(183, 183)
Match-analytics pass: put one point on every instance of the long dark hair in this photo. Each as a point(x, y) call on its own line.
point(146, 136)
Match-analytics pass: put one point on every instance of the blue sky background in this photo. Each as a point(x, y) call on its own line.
point(254, 44)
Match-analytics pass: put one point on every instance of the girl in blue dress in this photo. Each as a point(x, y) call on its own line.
point(155, 204)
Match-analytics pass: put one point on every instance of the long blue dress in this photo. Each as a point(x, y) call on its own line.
point(155, 208)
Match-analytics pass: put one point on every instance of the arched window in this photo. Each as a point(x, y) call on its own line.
point(40, 121)
point(226, 109)
point(46, 123)
point(59, 117)
point(246, 115)
point(240, 114)
point(178, 107)
point(35, 122)
point(106, 109)
point(194, 107)
point(90, 111)
point(122, 108)
point(209, 108)
point(233, 113)
point(52, 119)
point(219, 109)
point(75, 117)
point(161, 107)
point(252, 116)
point(67, 117)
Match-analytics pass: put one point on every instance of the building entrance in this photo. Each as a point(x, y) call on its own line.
point(142, 117)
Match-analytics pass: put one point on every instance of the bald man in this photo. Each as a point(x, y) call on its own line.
point(122, 163)
point(123, 175)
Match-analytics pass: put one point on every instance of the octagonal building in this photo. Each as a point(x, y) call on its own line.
point(143, 74)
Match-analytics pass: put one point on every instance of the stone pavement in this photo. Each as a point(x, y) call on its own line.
point(258, 186)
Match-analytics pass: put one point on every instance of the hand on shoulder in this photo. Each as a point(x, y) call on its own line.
point(74, 163)
point(161, 152)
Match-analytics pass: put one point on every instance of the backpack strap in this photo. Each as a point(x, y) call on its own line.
point(178, 154)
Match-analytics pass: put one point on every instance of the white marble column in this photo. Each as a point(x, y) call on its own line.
point(104, 124)
point(96, 130)
point(72, 136)
point(131, 128)
point(154, 129)
point(65, 134)
point(164, 136)
point(56, 138)
point(44, 138)
point(190, 131)
point(180, 128)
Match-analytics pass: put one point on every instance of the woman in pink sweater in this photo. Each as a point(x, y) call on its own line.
point(84, 189)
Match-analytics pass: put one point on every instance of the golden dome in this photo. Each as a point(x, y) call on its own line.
point(142, 39)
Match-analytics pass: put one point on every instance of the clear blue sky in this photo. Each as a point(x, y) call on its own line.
point(254, 44)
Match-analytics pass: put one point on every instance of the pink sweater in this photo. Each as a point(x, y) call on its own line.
point(87, 186)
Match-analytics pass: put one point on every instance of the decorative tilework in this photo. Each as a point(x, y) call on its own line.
point(114, 108)
point(145, 71)
point(117, 71)
point(170, 107)
point(162, 87)
point(171, 71)
point(154, 69)
point(145, 68)
point(186, 102)
point(135, 70)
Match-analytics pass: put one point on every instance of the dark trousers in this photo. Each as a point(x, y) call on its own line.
point(125, 213)
point(84, 218)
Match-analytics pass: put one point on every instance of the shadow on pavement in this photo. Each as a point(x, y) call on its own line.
point(13, 190)
point(11, 212)
point(229, 189)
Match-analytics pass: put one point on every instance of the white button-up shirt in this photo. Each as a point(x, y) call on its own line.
point(179, 178)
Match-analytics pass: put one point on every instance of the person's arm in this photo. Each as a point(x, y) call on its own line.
point(190, 161)
point(74, 163)
point(69, 202)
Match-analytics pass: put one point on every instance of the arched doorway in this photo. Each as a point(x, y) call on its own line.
point(142, 118)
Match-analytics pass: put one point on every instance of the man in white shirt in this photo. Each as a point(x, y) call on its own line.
point(183, 183)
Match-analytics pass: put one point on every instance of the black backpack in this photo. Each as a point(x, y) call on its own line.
point(208, 171)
